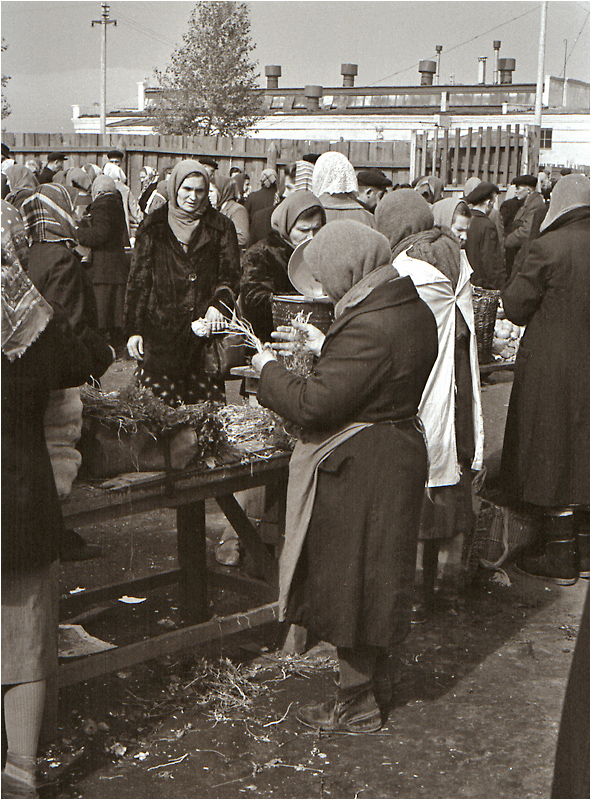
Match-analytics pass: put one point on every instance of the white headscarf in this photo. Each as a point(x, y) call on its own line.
point(334, 174)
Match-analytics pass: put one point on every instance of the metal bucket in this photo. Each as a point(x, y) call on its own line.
point(285, 307)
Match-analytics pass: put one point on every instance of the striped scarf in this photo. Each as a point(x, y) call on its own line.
point(49, 216)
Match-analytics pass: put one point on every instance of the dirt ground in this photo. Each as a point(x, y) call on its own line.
point(476, 711)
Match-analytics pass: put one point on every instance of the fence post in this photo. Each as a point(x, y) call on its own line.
point(272, 156)
point(413, 156)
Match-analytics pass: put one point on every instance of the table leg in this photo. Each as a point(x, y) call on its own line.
point(190, 521)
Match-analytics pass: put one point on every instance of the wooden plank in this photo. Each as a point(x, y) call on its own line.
point(504, 168)
point(467, 158)
point(424, 146)
point(264, 565)
point(121, 657)
point(192, 558)
point(478, 156)
point(445, 156)
point(456, 161)
point(434, 151)
point(497, 156)
point(514, 155)
point(486, 162)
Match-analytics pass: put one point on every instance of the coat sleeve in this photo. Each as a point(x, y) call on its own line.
point(256, 291)
point(524, 294)
point(240, 219)
point(139, 285)
point(228, 283)
point(494, 266)
point(525, 223)
point(350, 369)
point(100, 230)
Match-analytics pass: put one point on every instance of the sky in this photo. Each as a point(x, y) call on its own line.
point(53, 55)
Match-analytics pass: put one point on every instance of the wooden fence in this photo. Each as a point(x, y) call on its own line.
point(250, 155)
point(491, 154)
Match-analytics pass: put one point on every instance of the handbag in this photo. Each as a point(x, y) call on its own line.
point(222, 353)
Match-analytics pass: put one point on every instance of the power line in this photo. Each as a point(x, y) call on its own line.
point(576, 40)
point(141, 28)
point(455, 47)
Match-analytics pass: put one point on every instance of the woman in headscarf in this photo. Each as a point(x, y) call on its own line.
point(78, 183)
point(545, 462)
point(453, 213)
point(104, 230)
point(39, 353)
point(450, 408)
point(186, 266)
point(160, 195)
point(230, 207)
point(335, 183)
point(265, 196)
point(431, 188)
point(22, 183)
point(264, 265)
point(356, 480)
point(148, 184)
point(260, 226)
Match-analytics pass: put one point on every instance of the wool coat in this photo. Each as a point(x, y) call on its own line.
point(58, 274)
point(262, 198)
point(520, 229)
point(264, 274)
point(545, 457)
point(31, 513)
point(352, 583)
point(168, 288)
point(484, 251)
point(104, 230)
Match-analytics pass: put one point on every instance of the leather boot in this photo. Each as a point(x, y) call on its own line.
point(555, 558)
point(582, 532)
point(354, 710)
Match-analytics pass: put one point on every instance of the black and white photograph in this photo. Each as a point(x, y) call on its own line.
point(295, 399)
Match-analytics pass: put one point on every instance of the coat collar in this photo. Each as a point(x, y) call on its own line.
point(210, 218)
point(394, 293)
point(575, 215)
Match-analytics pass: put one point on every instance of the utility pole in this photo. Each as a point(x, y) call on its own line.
point(104, 21)
point(534, 144)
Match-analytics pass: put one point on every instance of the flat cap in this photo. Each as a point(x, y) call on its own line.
point(373, 177)
point(57, 157)
point(566, 171)
point(482, 192)
point(209, 161)
point(115, 154)
point(6, 150)
point(525, 180)
point(311, 158)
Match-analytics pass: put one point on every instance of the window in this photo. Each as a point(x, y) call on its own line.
point(277, 101)
point(546, 139)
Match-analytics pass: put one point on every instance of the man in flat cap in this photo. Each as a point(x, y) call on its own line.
point(483, 246)
point(55, 164)
point(116, 156)
point(527, 221)
point(7, 159)
point(210, 165)
point(372, 187)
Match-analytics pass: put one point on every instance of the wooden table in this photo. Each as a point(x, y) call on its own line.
point(187, 492)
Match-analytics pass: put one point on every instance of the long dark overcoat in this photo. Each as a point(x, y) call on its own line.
point(546, 448)
point(353, 580)
point(31, 513)
point(264, 273)
point(484, 251)
point(168, 288)
point(104, 230)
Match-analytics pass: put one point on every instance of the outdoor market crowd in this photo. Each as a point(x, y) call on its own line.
point(391, 414)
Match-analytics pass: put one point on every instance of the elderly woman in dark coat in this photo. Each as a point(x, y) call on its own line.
point(186, 266)
point(104, 230)
point(39, 353)
point(356, 481)
point(545, 461)
point(264, 265)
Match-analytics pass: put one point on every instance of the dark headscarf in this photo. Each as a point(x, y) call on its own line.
point(227, 188)
point(290, 209)
point(182, 223)
point(342, 254)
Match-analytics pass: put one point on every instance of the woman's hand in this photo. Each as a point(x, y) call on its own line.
point(215, 319)
point(287, 335)
point(260, 359)
point(135, 347)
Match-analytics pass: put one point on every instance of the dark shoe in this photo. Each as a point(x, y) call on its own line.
point(583, 548)
point(556, 563)
point(74, 548)
point(11, 787)
point(353, 711)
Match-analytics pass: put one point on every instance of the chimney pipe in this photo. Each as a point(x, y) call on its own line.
point(313, 95)
point(482, 69)
point(427, 70)
point(506, 70)
point(496, 48)
point(273, 73)
point(348, 71)
point(438, 49)
point(141, 95)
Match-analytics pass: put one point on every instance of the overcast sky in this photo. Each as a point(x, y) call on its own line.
point(53, 54)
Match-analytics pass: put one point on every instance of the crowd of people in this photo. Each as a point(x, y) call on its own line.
point(391, 414)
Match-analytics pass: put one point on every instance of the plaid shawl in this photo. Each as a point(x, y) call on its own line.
point(25, 313)
point(49, 215)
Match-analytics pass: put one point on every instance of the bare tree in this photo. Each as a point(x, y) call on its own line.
point(5, 78)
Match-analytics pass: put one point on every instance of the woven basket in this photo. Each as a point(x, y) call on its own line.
point(499, 534)
point(485, 302)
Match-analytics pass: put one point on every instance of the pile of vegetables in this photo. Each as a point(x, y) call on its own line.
point(506, 337)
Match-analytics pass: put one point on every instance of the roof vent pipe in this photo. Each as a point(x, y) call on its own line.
point(348, 71)
point(482, 70)
point(273, 73)
point(313, 95)
point(506, 70)
point(427, 70)
point(496, 48)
